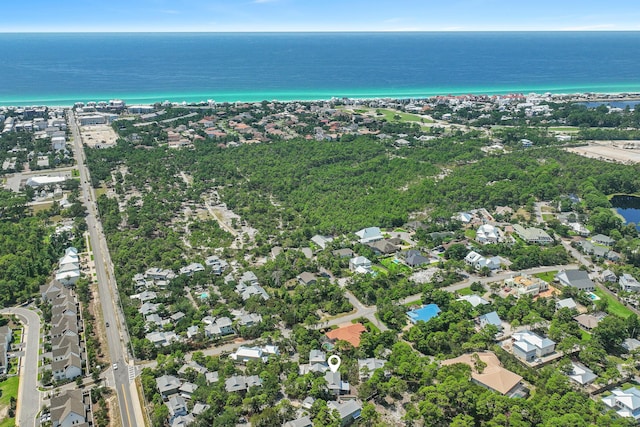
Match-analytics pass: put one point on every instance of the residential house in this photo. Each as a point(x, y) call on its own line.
point(187, 389)
point(630, 344)
point(335, 383)
point(526, 285)
point(322, 241)
point(595, 251)
point(366, 367)
point(532, 234)
point(222, 326)
point(192, 331)
point(350, 333)
point(581, 374)
point(159, 274)
point(383, 247)
point(148, 308)
point(69, 409)
point(369, 235)
point(6, 336)
point(626, 403)
point(348, 411)
point(566, 303)
point(360, 265)
point(415, 225)
point(248, 354)
point(247, 291)
point(474, 300)
point(490, 319)
point(307, 278)
point(193, 366)
point(578, 279)
point(212, 377)
point(493, 376)
point(217, 265)
point(478, 261)
point(190, 269)
point(162, 339)
point(168, 385)
point(488, 233)
point(248, 320)
point(608, 276)
point(343, 253)
point(299, 422)
point(629, 283)
point(414, 258)
point(199, 408)
point(601, 239)
point(529, 346)
point(67, 368)
point(177, 407)
point(241, 383)
point(587, 321)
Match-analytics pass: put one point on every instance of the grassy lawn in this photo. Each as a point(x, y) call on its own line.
point(404, 117)
point(393, 267)
point(564, 129)
point(547, 277)
point(585, 336)
point(465, 291)
point(379, 269)
point(9, 389)
point(614, 306)
point(547, 217)
point(470, 233)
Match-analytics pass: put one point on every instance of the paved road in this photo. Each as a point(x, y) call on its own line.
point(495, 278)
point(29, 398)
point(117, 335)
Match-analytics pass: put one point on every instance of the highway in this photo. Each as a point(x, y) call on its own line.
point(116, 333)
point(29, 398)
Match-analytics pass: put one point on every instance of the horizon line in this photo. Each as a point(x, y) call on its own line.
point(576, 30)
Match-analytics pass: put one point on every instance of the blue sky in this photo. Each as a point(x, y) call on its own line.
point(318, 15)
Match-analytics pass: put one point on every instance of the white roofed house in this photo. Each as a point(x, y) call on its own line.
point(360, 264)
point(368, 235)
point(626, 403)
point(487, 234)
point(248, 354)
point(529, 346)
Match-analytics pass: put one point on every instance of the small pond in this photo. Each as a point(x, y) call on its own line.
point(628, 207)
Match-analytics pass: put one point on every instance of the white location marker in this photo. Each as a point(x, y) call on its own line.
point(334, 362)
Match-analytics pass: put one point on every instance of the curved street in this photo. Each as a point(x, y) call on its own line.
point(29, 398)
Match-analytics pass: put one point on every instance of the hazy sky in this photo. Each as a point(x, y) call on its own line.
point(318, 15)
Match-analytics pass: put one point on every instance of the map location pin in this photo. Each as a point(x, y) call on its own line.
point(334, 362)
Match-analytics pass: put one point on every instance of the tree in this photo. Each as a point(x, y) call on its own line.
point(369, 416)
point(610, 332)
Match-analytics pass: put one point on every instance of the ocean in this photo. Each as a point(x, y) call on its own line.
point(59, 69)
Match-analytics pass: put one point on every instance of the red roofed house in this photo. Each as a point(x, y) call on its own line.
point(349, 333)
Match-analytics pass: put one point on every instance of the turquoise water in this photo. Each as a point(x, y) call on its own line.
point(59, 69)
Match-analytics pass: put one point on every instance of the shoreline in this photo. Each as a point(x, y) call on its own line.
point(568, 95)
